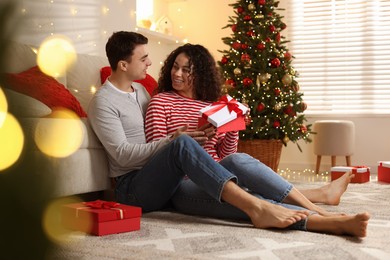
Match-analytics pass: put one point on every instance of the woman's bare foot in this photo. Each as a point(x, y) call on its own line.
point(353, 225)
point(335, 189)
point(268, 215)
point(331, 193)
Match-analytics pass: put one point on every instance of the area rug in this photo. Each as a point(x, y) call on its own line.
point(167, 235)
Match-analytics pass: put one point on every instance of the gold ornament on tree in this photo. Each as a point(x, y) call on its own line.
point(287, 79)
point(277, 106)
point(237, 71)
point(263, 78)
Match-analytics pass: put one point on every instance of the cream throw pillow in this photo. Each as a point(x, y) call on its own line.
point(24, 106)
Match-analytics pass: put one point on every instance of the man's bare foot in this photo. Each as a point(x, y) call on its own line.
point(334, 190)
point(353, 225)
point(268, 215)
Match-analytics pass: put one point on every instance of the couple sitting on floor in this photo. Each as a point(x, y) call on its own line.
point(158, 155)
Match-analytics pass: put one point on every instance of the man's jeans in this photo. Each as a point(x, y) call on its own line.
point(186, 175)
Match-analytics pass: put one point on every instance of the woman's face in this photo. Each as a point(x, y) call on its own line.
point(181, 75)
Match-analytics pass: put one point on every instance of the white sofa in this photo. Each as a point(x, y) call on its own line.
point(85, 170)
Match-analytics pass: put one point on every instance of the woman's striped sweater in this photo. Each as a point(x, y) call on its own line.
point(168, 111)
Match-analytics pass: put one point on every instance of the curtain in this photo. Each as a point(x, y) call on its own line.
point(342, 54)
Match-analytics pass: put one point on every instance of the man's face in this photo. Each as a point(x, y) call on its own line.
point(140, 61)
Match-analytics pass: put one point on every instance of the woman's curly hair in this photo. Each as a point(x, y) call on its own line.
point(207, 79)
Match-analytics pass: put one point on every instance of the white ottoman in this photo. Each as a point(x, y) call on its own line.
point(333, 138)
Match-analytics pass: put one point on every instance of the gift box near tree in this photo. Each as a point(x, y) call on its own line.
point(258, 71)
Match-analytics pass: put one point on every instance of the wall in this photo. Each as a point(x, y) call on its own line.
point(372, 144)
point(87, 23)
point(202, 22)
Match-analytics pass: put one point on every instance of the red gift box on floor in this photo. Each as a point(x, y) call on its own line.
point(384, 171)
point(226, 114)
point(362, 173)
point(101, 217)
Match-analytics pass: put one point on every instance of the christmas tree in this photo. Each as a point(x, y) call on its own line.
point(258, 71)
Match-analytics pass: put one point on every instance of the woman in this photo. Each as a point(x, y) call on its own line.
point(189, 81)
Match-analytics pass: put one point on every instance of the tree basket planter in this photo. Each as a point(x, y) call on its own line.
point(266, 151)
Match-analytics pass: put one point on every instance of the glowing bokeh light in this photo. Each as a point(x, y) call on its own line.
point(11, 140)
point(55, 55)
point(52, 220)
point(60, 135)
point(3, 107)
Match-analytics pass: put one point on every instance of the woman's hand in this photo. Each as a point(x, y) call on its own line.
point(208, 129)
point(247, 116)
point(199, 135)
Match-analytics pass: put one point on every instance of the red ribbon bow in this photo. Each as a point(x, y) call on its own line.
point(221, 103)
point(101, 204)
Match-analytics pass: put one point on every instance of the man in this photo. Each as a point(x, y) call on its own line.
point(148, 174)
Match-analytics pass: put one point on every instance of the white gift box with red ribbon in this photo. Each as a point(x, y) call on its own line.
point(223, 111)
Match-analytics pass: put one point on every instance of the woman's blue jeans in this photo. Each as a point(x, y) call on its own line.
point(184, 174)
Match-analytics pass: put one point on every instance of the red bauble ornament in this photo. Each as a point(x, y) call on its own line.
point(276, 124)
point(224, 60)
point(261, 2)
point(283, 26)
point(289, 110)
point(260, 107)
point(272, 28)
point(277, 91)
point(230, 82)
point(247, 18)
point(303, 128)
point(244, 46)
point(245, 57)
point(240, 9)
point(234, 27)
point(277, 37)
point(295, 86)
point(250, 33)
point(247, 81)
point(287, 56)
point(303, 106)
point(268, 39)
point(275, 63)
point(261, 46)
point(236, 45)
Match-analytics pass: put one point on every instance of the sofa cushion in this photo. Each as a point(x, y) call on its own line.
point(19, 57)
point(24, 106)
point(34, 83)
point(83, 78)
point(148, 82)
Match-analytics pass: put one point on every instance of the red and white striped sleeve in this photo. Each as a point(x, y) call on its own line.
point(227, 144)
